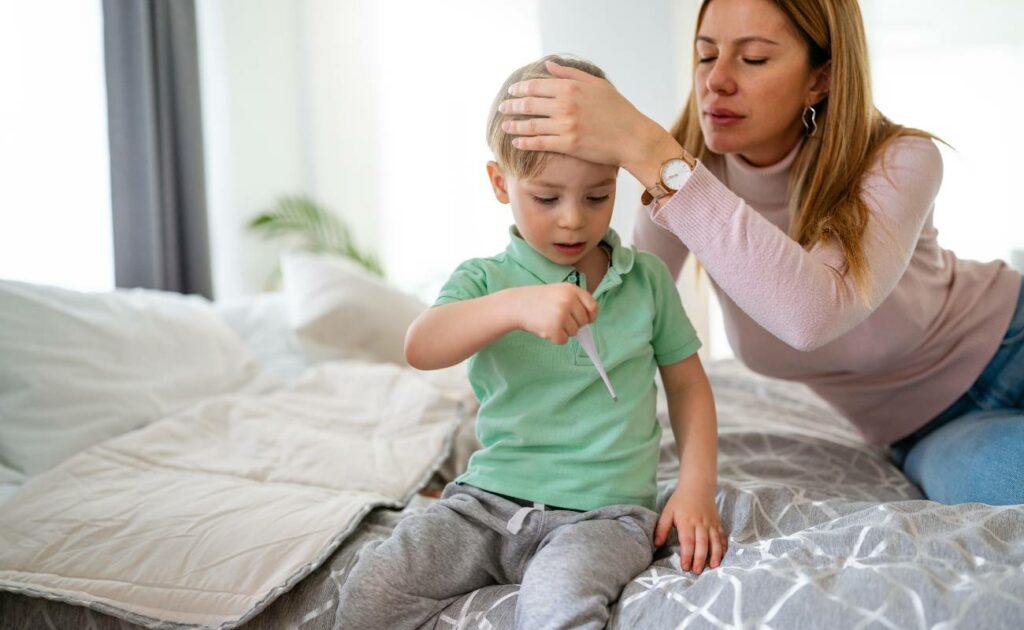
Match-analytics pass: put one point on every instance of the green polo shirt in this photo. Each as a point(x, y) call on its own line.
point(549, 429)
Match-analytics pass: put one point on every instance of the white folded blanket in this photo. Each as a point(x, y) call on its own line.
point(206, 516)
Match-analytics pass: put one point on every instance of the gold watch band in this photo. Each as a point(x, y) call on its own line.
point(659, 189)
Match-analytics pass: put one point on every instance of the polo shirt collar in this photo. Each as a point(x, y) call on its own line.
point(549, 272)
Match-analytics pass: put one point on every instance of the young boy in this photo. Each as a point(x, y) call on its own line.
point(560, 499)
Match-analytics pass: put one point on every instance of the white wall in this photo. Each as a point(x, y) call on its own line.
point(250, 59)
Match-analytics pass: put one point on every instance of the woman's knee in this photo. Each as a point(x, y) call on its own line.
point(977, 458)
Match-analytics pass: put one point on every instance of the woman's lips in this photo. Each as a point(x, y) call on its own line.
point(723, 117)
point(570, 248)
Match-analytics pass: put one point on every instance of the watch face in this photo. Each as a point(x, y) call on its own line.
point(674, 173)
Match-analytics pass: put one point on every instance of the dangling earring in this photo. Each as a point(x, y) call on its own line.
point(810, 127)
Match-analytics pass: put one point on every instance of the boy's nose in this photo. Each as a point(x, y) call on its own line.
point(572, 216)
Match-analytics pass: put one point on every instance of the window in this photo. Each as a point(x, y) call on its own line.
point(55, 225)
point(953, 69)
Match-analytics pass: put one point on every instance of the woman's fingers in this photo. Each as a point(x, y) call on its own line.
point(538, 87)
point(552, 144)
point(568, 72)
point(530, 105)
point(533, 127)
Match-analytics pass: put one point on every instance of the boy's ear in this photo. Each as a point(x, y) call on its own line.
point(498, 181)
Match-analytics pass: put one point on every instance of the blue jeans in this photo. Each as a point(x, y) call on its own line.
point(974, 450)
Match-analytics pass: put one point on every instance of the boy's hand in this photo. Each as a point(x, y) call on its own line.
point(693, 513)
point(553, 311)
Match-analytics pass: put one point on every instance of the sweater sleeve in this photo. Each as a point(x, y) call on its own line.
point(650, 237)
point(806, 298)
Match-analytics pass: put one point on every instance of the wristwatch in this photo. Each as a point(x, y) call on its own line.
point(674, 173)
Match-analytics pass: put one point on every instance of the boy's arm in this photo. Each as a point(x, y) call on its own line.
point(691, 508)
point(451, 333)
point(691, 410)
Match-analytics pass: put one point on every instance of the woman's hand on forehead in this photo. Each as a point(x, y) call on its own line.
point(581, 115)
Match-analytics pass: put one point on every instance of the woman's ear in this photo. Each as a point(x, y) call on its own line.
point(821, 81)
point(498, 181)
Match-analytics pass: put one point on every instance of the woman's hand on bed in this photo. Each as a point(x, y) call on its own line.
point(702, 540)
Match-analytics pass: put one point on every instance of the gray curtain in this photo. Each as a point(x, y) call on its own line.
point(156, 146)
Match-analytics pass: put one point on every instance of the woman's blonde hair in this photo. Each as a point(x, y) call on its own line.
point(825, 200)
point(514, 161)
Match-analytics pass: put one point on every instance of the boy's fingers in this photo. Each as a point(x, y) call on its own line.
point(570, 328)
point(579, 315)
point(686, 545)
point(587, 299)
point(662, 529)
point(717, 549)
point(700, 550)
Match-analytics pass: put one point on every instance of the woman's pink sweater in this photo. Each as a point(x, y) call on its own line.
point(933, 322)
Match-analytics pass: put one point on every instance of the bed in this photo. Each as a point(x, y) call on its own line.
point(824, 531)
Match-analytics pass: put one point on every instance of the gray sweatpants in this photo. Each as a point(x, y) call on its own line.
point(570, 565)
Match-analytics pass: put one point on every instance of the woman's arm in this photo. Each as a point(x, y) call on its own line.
point(691, 508)
point(451, 333)
point(648, 236)
point(805, 298)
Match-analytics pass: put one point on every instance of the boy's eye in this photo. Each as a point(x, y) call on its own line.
point(706, 59)
point(754, 62)
point(600, 199)
point(545, 200)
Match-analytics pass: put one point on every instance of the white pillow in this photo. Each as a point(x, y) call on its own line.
point(341, 311)
point(261, 321)
point(79, 368)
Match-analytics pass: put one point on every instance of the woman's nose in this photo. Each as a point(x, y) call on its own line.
point(720, 79)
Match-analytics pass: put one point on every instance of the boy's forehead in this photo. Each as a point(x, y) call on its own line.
point(566, 170)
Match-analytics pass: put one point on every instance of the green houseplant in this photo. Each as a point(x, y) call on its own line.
point(312, 227)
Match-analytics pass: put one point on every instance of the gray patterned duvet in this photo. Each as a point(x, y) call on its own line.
point(824, 533)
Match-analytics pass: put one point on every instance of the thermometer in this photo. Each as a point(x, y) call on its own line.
point(586, 339)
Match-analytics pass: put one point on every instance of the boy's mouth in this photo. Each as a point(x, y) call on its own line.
point(570, 248)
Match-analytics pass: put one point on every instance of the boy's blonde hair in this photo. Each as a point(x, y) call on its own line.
point(524, 164)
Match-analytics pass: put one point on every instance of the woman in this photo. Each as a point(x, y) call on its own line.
point(812, 213)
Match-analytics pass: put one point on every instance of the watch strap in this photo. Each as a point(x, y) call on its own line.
point(659, 189)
